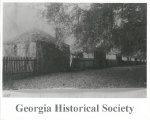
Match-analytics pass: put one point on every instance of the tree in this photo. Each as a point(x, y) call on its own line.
point(107, 25)
point(95, 27)
point(110, 25)
point(56, 15)
point(65, 17)
point(130, 37)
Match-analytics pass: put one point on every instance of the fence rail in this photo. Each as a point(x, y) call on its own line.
point(19, 65)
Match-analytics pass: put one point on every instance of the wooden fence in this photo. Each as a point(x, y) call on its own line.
point(84, 63)
point(19, 65)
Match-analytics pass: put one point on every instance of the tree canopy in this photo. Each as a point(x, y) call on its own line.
point(130, 37)
point(104, 25)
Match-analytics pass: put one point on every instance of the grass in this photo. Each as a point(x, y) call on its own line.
point(115, 77)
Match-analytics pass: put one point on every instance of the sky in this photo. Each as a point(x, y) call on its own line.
point(21, 17)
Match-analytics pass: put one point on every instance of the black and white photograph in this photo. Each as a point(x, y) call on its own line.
point(74, 50)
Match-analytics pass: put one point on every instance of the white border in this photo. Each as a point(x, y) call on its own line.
point(142, 105)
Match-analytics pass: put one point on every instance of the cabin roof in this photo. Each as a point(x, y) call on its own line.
point(33, 35)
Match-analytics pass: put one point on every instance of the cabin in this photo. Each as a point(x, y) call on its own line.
point(51, 56)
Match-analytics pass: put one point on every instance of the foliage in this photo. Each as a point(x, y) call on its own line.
point(55, 14)
point(107, 25)
point(95, 27)
point(131, 36)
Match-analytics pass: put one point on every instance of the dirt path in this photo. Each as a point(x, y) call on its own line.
point(78, 93)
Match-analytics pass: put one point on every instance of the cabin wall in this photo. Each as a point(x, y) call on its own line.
point(20, 49)
point(9, 50)
point(27, 49)
point(51, 59)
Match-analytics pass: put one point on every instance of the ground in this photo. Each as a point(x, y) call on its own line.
point(78, 93)
point(115, 77)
